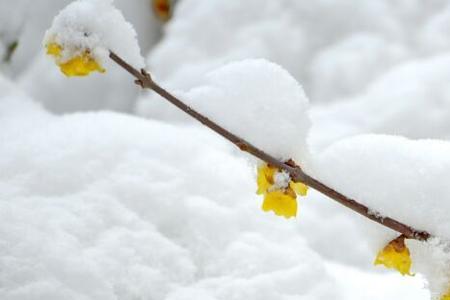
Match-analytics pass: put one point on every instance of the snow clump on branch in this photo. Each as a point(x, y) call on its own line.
point(84, 32)
point(259, 101)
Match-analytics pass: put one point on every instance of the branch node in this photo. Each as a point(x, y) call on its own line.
point(290, 162)
point(139, 82)
point(146, 75)
point(242, 145)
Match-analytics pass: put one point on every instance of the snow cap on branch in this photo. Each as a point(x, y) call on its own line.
point(398, 177)
point(258, 101)
point(403, 179)
point(87, 30)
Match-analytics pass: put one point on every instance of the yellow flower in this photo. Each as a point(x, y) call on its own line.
point(395, 255)
point(446, 296)
point(54, 49)
point(162, 9)
point(299, 188)
point(282, 200)
point(80, 65)
point(265, 178)
point(280, 203)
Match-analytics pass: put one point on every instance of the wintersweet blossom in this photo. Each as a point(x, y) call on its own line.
point(81, 64)
point(395, 255)
point(163, 9)
point(280, 192)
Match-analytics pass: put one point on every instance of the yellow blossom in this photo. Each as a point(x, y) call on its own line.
point(80, 65)
point(395, 255)
point(265, 178)
point(162, 9)
point(446, 296)
point(281, 200)
point(54, 49)
point(299, 188)
point(280, 203)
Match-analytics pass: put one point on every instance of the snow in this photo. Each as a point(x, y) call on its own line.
point(112, 206)
point(399, 178)
point(95, 25)
point(380, 35)
point(347, 66)
point(433, 260)
point(88, 210)
point(41, 80)
point(409, 100)
point(281, 180)
point(240, 93)
point(102, 205)
point(45, 83)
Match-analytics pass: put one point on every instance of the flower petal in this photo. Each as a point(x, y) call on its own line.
point(265, 178)
point(280, 203)
point(54, 49)
point(80, 65)
point(299, 188)
point(395, 256)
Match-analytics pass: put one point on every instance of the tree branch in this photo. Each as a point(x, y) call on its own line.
point(297, 174)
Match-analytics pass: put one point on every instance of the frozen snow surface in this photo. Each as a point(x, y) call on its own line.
point(107, 205)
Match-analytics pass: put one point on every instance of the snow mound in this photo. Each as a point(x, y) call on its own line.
point(409, 100)
point(108, 206)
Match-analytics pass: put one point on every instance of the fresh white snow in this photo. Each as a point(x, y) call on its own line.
point(106, 205)
point(260, 102)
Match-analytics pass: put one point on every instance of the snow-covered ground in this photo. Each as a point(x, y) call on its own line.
point(107, 192)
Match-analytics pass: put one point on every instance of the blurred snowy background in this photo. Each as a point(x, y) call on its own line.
point(107, 192)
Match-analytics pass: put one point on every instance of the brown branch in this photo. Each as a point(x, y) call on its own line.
point(297, 174)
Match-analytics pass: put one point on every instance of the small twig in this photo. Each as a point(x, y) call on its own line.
point(10, 51)
point(145, 81)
